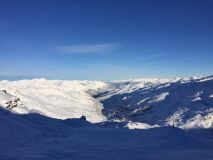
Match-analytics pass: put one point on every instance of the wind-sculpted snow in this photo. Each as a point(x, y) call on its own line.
point(185, 103)
point(54, 98)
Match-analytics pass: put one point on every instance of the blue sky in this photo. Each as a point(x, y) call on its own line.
point(106, 39)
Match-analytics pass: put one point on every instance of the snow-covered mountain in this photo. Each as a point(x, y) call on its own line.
point(183, 102)
point(144, 103)
point(39, 119)
point(53, 98)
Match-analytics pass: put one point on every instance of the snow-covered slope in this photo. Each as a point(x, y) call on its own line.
point(185, 103)
point(33, 122)
point(53, 98)
point(35, 137)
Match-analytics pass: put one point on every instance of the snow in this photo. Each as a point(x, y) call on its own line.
point(197, 96)
point(203, 79)
point(160, 97)
point(143, 80)
point(141, 101)
point(12, 102)
point(39, 138)
point(149, 101)
point(176, 118)
point(200, 121)
point(125, 98)
point(138, 125)
point(161, 101)
point(196, 99)
point(57, 98)
point(40, 119)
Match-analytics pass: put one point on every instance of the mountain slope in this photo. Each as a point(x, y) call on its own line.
point(54, 98)
point(186, 103)
point(37, 137)
point(147, 103)
point(34, 124)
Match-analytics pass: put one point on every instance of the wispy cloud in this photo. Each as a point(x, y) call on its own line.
point(153, 63)
point(88, 48)
point(155, 55)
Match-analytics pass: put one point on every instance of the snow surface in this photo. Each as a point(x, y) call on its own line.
point(55, 98)
point(40, 119)
point(138, 125)
point(160, 97)
point(35, 137)
point(150, 101)
point(185, 102)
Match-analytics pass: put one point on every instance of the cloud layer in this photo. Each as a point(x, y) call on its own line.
point(88, 48)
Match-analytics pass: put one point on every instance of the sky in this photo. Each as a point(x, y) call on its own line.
point(105, 39)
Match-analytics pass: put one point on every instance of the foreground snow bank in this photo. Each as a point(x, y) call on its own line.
point(36, 137)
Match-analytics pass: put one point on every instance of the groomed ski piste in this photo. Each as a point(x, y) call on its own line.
point(128, 119)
